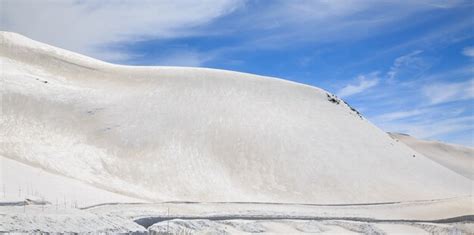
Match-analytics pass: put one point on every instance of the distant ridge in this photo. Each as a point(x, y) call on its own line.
point(458, 158)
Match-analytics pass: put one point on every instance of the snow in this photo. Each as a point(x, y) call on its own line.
point(20, 182)
point(458, 158)
point(88, 146)
point(49, 219)
point(243, 218)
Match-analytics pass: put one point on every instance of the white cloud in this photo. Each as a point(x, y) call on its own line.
point(468, 51)
point(417, 114)
point(446, 92)
point(281, 23)
point(364, 82)
point(409, 60)
point(89, 26)
point(399, 115)
point(422, 109)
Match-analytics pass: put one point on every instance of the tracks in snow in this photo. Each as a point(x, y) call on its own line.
point(149, 221)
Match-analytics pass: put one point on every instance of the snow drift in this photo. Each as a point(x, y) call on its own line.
point(195, 134)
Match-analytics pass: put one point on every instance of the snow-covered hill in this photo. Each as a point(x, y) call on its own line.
point(455, 157)
point(195, 134)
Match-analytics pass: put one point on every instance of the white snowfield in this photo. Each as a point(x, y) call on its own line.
point(447, 216)
point(22, 182)
point(455, 157)
point(76, 132)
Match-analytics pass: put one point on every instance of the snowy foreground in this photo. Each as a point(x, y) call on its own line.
point(448, 216)
point(54, 203)
point(87, 146)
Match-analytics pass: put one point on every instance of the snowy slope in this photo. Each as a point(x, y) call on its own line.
point(20, 182)
point(194, 134)
point(455, 157)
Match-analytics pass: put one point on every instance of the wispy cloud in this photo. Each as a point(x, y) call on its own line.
point(446, 92)
point(329, 21)
point(363, 82)
point(399, 115)
point(425, 104)
point(440, 110)
point(468, 51)
point(410, 66)
point(84, 26)
point(410, 60)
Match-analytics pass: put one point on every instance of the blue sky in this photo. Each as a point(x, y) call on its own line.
point(406, 65)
